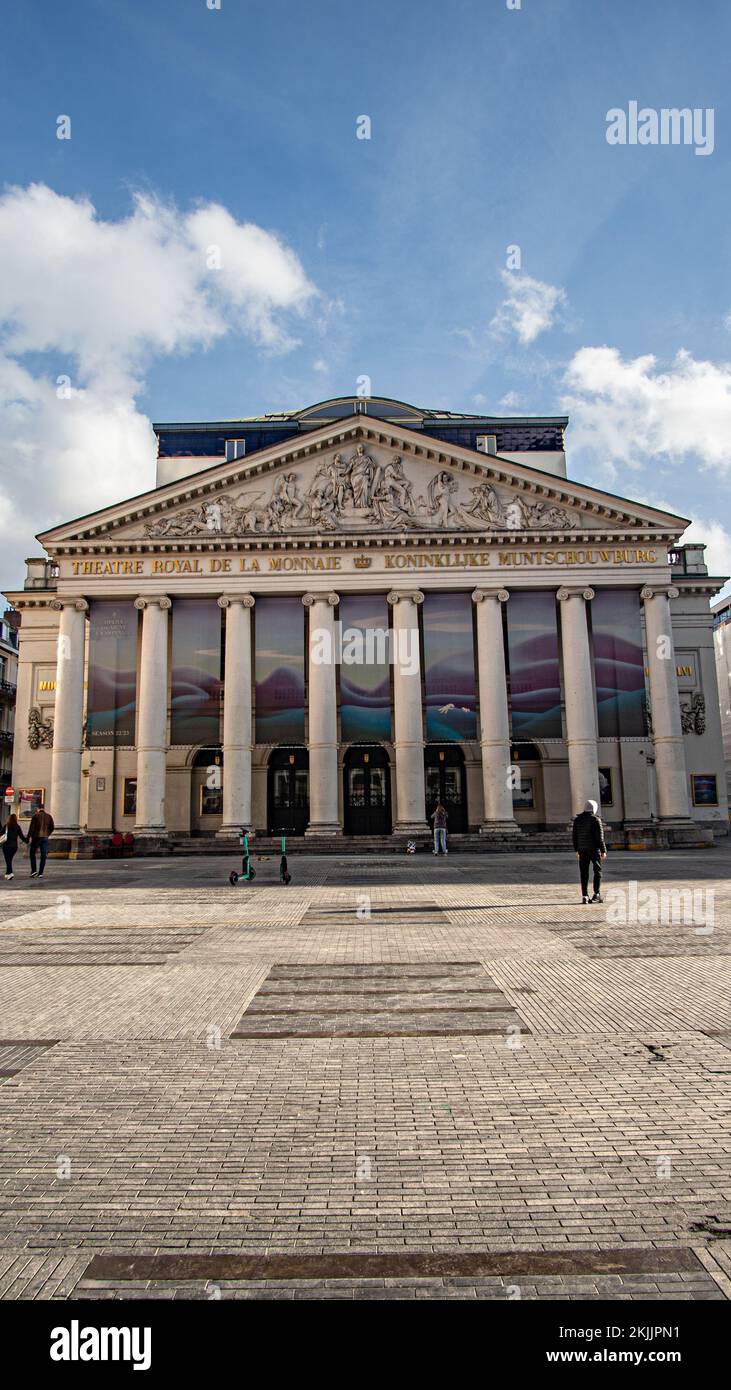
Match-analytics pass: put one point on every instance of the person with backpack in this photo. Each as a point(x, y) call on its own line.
point(10, 838)
point(39, 832)
point(588, 837)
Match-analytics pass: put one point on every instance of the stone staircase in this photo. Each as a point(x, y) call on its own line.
point(645, 837)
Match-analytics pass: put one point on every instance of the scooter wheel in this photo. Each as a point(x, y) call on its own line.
point(252, 873)
point(233, 878)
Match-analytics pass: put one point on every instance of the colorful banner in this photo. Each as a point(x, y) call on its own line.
point(365, 688)
point(618, 663)
point(449, 668)
point(280, 669)
point(196, 661)
point(535, 682)
point(112, 694)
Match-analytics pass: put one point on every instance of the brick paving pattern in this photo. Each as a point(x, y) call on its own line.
point(595, 1118)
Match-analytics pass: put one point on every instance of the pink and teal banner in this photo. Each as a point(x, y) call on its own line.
point(112, 693)
point(449, 668)
point(196, 680)
point(279, 663)
point(619, 667)
point(365, 687)
point(535, 682)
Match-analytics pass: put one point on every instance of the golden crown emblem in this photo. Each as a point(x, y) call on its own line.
point(362, 562)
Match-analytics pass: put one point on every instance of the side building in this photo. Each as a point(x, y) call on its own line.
point(9, 624)
point(722, 642)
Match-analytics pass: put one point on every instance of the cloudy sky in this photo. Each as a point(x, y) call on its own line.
point(214, 240)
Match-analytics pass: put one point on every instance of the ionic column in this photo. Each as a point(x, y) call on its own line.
point(237, 725)
point(407, 715)
point(152, 716)
point(494, 718)
point(667, 730)
point(581, 728)
point(323, 716)
point(68, 726)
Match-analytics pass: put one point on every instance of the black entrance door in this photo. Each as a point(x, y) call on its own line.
point(289, 794)
point(367, 799)
point(445, 782)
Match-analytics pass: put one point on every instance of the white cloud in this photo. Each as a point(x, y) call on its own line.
point(105, 299)
point(717, 541)
point(627, 411)
point(529, 307)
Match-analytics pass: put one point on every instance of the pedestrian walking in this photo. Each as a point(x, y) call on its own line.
point(39, 832)
point(11, 835)
point(590, 850)
point(439, 819)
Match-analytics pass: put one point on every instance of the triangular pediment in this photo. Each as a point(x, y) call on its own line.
point(363, 479)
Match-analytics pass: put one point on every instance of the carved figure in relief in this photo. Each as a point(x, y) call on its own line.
point(441, 493)
point(40, 730)
point(393, 500)
point(362, 477)
point(340, 472)
point(321, 499)
point(360, 492)
point(286, 504)
point(485, 506)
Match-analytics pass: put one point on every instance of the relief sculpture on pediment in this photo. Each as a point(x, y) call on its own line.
point(360, 493)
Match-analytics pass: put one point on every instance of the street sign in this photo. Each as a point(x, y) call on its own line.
point(9, 793)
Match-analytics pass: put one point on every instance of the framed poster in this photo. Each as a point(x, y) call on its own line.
point(211, 801)
point(129, 797)
point(30, 799)
point(606, 790)
point(704, 788)
point(523, 796)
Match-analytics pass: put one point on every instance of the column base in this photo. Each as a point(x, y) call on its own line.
point(500, 828)
point(411, 827)
point(151, 832)
point(69, 831)
point(328, 828)
point(232, 832)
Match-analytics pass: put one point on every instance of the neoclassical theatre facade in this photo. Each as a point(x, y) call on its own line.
point(322, 623)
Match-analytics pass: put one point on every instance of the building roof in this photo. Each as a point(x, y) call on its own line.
point(514, 434)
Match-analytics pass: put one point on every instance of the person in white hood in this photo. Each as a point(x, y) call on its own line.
point(588, 836)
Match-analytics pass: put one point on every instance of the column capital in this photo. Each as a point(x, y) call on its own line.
point(669, 590)
point(225, 600)
point(80, 604)
point(565, 593)
point(415, 595)
point(153, 601)
point(331, 598)
point(501, 595)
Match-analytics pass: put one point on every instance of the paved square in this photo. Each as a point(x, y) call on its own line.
point(407, 1079)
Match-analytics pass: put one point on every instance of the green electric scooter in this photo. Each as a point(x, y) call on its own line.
point(284, 874)
point(247, 868)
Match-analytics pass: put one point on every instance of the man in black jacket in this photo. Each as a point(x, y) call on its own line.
point(590, 849)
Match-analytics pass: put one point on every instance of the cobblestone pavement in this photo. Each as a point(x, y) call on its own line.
point(410, 1060)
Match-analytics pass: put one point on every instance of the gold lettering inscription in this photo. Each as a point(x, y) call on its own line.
point(303, 564)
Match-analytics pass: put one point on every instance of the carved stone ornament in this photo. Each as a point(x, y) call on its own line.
point(360, 493)
point(40, 730)
point(693, 714)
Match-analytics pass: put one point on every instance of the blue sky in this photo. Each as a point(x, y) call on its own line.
point(488, 130)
